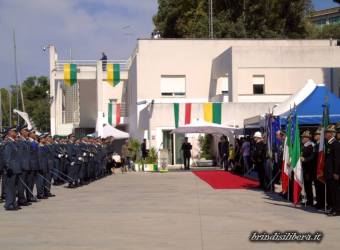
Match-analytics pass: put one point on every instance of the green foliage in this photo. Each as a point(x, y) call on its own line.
point(328, 31)
point(36, 97)
point(152, 156)
point(233, 18)
point(134, 146)
point(36, 101)
point(205, 143)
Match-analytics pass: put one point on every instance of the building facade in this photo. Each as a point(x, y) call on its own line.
point(326, 16)
point(247, 77)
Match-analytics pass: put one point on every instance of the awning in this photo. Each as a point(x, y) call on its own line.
point(109, 131)
point(203, 127)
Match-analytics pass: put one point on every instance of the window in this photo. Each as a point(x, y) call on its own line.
point(334, 20)
point(173, 85)
point(258, 84)
point(223, 85)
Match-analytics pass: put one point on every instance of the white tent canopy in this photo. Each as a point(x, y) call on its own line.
point(295, 99)
point(108, 131)
point(203, 127)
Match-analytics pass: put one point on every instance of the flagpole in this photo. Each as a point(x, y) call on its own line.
point(325, 197)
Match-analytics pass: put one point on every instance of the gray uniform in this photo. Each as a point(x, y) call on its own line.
point(71, 162)
point(13, 170)
point(42, 184)
point(34, 166)
point(2, 176)
point(24, 160)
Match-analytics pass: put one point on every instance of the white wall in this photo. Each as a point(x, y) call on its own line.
point(194, 59)
point(88, 103)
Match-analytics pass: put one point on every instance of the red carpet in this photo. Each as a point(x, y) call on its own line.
point(225, 180)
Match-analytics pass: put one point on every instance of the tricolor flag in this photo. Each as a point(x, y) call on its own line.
point(286, 157)
point(295, 162)
point(285, 167)
point(113, 74)
point(321, 154)
point(213, 112)
point(182, 114)
point(70, 74)
point(114, 113)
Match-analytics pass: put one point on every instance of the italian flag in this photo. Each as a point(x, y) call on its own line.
point(213, 112)
point(321, 154)
point(295, 164)
point(70, 74)
point(285, 167)
point(113, 74)
point(182, 114)
point(114, 113)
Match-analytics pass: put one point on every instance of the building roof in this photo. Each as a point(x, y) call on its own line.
point(325, 12)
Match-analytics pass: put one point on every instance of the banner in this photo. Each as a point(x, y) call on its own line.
point(70, 74)
point(113, 74)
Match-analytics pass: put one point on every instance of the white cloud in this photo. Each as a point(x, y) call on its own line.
point(86, 26)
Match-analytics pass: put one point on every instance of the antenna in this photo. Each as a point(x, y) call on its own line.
point(16, 74)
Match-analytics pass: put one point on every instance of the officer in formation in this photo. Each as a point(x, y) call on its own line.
point(332, 171)
point(308, 165)
point(30, 163)
point(309, 159)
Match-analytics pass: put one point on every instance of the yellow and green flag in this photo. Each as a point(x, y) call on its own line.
point(113, 74)
point(70, 74)
point(213, 112)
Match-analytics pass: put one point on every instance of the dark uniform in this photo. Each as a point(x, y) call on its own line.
point(24, 153)
point(308, 162)
point(2, 176)
point(186, 149)
point(13, 172)
point(34, 166)
point(319, 185)
point(332, 168)
point(259, 156)
point(223, 151)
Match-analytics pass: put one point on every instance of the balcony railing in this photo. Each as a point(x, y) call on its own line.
point(124, 64)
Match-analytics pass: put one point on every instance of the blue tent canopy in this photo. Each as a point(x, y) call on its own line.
point(310, 110)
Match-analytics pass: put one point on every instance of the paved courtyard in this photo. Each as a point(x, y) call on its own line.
point(158, 211)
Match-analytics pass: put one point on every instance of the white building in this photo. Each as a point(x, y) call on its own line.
point(247, 76)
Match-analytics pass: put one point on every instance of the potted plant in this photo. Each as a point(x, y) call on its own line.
point(151, 162)
point(134, 147)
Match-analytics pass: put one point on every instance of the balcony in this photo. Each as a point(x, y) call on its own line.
point(87, 69)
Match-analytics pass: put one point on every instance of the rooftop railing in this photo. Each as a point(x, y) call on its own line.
point(124, 64)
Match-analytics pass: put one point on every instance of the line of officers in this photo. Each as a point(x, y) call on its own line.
point(326, 183)
point(31, 163)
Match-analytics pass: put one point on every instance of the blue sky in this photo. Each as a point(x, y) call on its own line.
point(86, 26)
point(323, 4)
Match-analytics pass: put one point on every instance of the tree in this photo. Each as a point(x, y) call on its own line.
point(234, 18)
point(36, 98)
point(35, 92)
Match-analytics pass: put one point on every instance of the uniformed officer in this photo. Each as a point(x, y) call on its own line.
point(57, 161)
point(34, 166)
point(259, 158)
point(71, 156)
point(186, 150)
point(319, 185)
point(12, 169)
point(43, 155)
point(24, 161)
point(50, 165)
point(308, 161)
point(332, 171)
point(2, 197)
